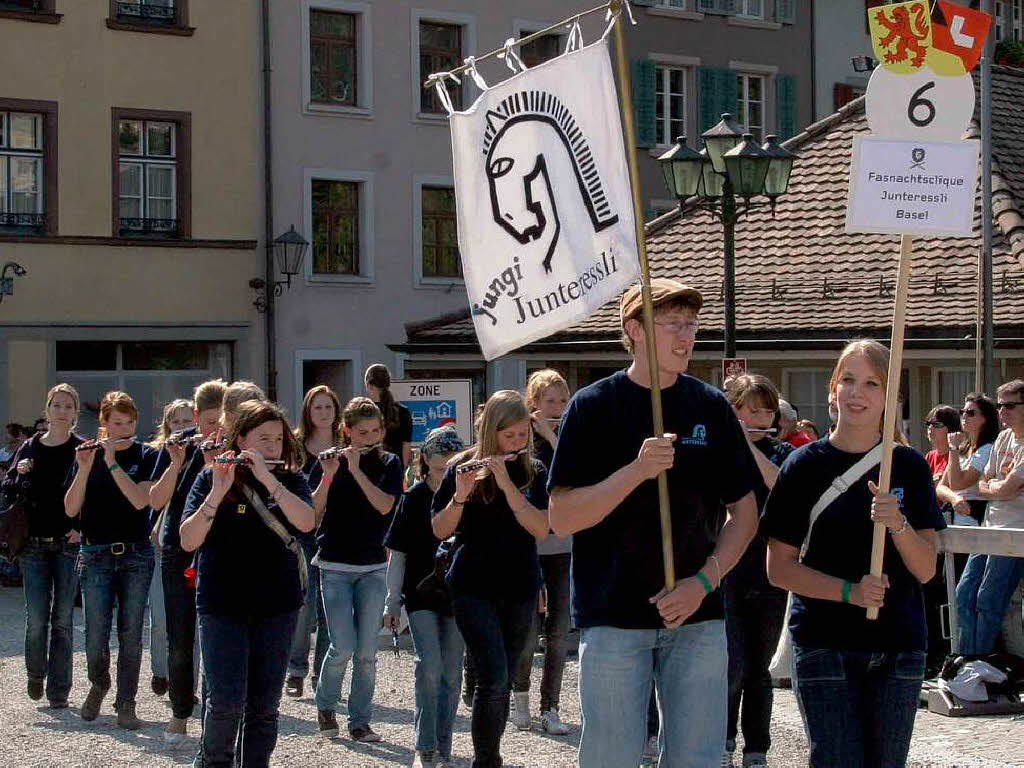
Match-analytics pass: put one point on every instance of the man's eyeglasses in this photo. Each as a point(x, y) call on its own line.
point(688, 327)
point(935, 424)
point(1010, 406)
point(968, 412)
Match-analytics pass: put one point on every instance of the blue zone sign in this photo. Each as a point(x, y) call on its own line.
point(428, 415)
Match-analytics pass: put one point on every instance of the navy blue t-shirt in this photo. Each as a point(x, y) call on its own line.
point(244, 568)
point(840, 546)
point(412, 535)
point(44, 485)
point(107, 517)
point(617, 564)
point(190, 469)
point(495, 557)
point(352, 530)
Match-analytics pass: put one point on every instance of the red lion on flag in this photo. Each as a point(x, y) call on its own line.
point(908, 33)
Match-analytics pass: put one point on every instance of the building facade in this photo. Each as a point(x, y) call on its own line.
point(362, 156)
point(130, 196)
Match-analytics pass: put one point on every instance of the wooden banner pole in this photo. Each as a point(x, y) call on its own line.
point(626, 104)
point(892, 393)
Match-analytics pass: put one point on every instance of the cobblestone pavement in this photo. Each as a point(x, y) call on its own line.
point(32, 735)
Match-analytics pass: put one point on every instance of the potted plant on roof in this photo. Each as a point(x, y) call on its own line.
point(1010, 52)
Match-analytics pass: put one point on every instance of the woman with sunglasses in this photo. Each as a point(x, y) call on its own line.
point(969, 450)
point(989, 581)
point(942, 420)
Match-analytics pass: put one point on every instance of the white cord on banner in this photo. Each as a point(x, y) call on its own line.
point(511, 57)
point(438, 79)
point(470, 61)
point(574, 40)
point(612, 17)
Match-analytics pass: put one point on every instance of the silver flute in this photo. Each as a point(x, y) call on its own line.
point(180, 438)
point(212, 445)
point(472, 466)
point(335, 452)
point(766, 430)
point(96, 445)
point(246, 460)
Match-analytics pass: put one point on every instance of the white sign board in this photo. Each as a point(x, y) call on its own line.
point(436, 403)
point(911, 187)
point(920, 105)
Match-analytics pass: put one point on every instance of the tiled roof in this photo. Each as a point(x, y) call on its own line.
point(799, 275)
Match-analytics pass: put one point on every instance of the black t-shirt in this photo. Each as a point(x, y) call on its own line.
point(395, 436)
point(840, 546)
point(352, 530)
point(107, 517)
point(750, 571)
point(617, 564)
point(190, 469)
point(244, 568)
point(495, 557)
point(542, 450)
point(45, 485)
point(411, 534)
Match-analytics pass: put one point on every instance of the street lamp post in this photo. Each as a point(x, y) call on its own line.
point(731, 165)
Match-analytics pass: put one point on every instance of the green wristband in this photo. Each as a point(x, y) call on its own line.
point(846, 591)
point(113, 466)
point(708, 589)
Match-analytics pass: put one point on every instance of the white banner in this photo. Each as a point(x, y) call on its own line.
point(901, 186)
point(545, 216)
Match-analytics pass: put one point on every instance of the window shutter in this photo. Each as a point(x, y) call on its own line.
point(717, 92)
point(785, 11)
point(785, 106)
point(842, 94)
point(644, 86)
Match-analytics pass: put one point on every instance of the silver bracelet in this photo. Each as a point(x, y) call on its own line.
point(718, 569)
point(901, 530)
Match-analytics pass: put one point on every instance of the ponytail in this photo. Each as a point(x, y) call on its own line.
point(379, 377)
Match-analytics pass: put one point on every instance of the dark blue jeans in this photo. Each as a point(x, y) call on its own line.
point(495, 632)
point(124, 579)
point(50, 581)
point(244, 663)
point(180, 607)
point(753, 622)
point(556, 634)
point(858, 708)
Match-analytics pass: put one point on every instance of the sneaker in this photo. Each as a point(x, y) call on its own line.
point(327, 722)
point(651, 750)
point(91, 707)
point(521, 711)
point(293, 686)
point(126, 717)
point(159, 685)
point(35, 689)
point(174, 733)
point(552, 723)
point(424, 759)
point(755, 760)
point(366, 734)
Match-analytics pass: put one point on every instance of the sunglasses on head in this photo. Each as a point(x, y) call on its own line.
point(968, 412)
point(1009, 406)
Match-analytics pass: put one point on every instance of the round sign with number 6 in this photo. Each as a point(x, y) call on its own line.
point(921, 105)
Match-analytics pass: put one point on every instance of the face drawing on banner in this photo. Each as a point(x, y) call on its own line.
point(528, 183)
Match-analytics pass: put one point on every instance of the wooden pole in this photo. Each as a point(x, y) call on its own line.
point(626, 104)
point(892, 393)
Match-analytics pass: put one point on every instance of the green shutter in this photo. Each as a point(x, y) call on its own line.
point(644, 86)
point(717, 93)
point(785, 11)
point(785, 106)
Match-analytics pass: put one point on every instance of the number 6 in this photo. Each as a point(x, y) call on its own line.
point(916, 102)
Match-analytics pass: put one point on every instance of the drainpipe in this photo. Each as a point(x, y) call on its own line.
point(268, 211)
point(988, 372)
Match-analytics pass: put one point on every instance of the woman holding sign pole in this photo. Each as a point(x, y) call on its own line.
point(856, 681)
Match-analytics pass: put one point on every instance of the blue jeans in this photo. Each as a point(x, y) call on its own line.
point(124, 579)
point(244, 664)
point(354, 606)
point(50, 582)
point(982, 596)
point(157, 625)
point(182, 639)
point(688, 668)
point(311, 619)
point(439, 648)
point(858, 708)
point(495, 633)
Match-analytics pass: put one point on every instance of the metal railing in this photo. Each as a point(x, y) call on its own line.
point(135, 226)
point(25, 221)
point(161, 14)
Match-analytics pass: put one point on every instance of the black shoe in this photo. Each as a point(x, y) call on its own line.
point(91, 707)
point(293, 686)
point(35, 689)
point(58, 704)
point(159, 685)
point(364, 734)
point(327, 722)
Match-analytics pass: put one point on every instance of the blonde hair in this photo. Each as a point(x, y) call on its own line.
point(877, 356)
point(540, 381)
point(238, 392)
point(502, 409)
point(360, 409)
point(209, 395)
point(68, 390)
point(118, 401)
point(741, 389)
point(164, 430)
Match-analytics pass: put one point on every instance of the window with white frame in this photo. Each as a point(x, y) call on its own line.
point(807, 391)
point(750, 107)
point(333, 58)
point(336, 230)
point(147, 171)
point(999, 16)
point(670, 103)
point(953, 385)
point(21, 169)
point(439, 243)
point(750, 9)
